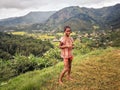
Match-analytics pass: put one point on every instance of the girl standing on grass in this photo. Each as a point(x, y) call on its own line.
point(66, 46)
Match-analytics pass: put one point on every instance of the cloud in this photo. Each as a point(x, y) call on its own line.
point(25, 4)
point(99, 3)
point(10, 8)
point(18, 4)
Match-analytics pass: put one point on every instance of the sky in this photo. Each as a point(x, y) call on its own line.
point(16, 8)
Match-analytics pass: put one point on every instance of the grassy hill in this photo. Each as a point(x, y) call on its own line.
point(97, 70)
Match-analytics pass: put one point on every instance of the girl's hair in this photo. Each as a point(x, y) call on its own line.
point(66, 28)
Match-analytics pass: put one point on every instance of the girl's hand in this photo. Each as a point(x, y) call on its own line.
point(69, 46)
point(64, 46)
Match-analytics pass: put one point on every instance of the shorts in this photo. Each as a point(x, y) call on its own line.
point(70, 58)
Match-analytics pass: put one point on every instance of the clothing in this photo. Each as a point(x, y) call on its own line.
point(66, 52)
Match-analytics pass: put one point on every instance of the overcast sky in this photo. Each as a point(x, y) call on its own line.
point(12, 8)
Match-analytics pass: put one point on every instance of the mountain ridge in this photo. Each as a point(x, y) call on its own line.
point(30, 18)
point(103, 17)
point(79, 18)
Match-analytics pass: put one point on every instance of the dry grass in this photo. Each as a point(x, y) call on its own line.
point(95, 72)
point(98, 70)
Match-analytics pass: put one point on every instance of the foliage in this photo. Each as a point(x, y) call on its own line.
point(82, 47)
point(106, 39)
point(115, 38)
point(98, 40)
point(28, 54)
point(103, 63)
point(12, 44)
point(22, 64)
point(53, 56)
point(6, 70)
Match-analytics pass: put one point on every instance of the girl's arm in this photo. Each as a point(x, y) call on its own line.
point(72, 46)
point(62, 46)
point(65, 46)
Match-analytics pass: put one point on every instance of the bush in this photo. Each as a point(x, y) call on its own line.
point(21, 64)
point(52, 56)
point(5, 55)
point(82, 48)
point(6, 70)
point(115, 38)
point(11, 44)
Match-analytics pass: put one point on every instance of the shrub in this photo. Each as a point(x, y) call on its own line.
point(6, 70)
point(52, 56)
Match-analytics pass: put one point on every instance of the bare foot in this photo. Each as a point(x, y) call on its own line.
point(69, 78)
point(60, 82)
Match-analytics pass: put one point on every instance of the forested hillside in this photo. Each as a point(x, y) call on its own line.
point(85, 18)
point(14, 44)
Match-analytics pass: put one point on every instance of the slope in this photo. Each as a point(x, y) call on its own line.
point(30, 18)
point(98, 70)
point(85, 18)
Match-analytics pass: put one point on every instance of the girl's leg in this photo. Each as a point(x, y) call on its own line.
point(69, 70)
point(66, 69)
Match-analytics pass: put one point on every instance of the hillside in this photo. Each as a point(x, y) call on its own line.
point(30, 18)
point(13, 44)
point(74, 16)
point(98, 70)
point(85, 18)
point(79, 18)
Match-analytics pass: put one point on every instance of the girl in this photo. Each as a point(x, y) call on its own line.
point(66, 46)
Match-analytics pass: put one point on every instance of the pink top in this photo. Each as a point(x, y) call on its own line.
point(66, 52)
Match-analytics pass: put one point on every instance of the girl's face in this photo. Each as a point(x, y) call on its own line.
point(67, 31)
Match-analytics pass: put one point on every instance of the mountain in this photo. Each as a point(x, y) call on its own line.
point(30, 18)
point(79, 18)
point(85, 18)
point(73, 16)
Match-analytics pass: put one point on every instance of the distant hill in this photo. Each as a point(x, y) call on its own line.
point(30, 18)
point(78, 18)
point(85, 18)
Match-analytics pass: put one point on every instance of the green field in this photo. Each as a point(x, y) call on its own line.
point(38, 35)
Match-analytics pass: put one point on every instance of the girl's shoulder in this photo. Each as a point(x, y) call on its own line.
point(71, 39)
point(62, 39)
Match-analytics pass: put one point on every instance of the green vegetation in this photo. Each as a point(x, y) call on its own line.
point(31, 60)
point(20, 54)
point(14, 44)
point(96, 70)
point(21, 64)
point(94, 57)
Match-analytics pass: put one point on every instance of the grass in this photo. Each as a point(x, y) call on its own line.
point(35, 35)
point(32, 80)
point(98, 70)
point(19, 33)
point(39, 35)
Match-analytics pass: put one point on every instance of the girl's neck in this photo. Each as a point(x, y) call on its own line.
point(67, 36)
